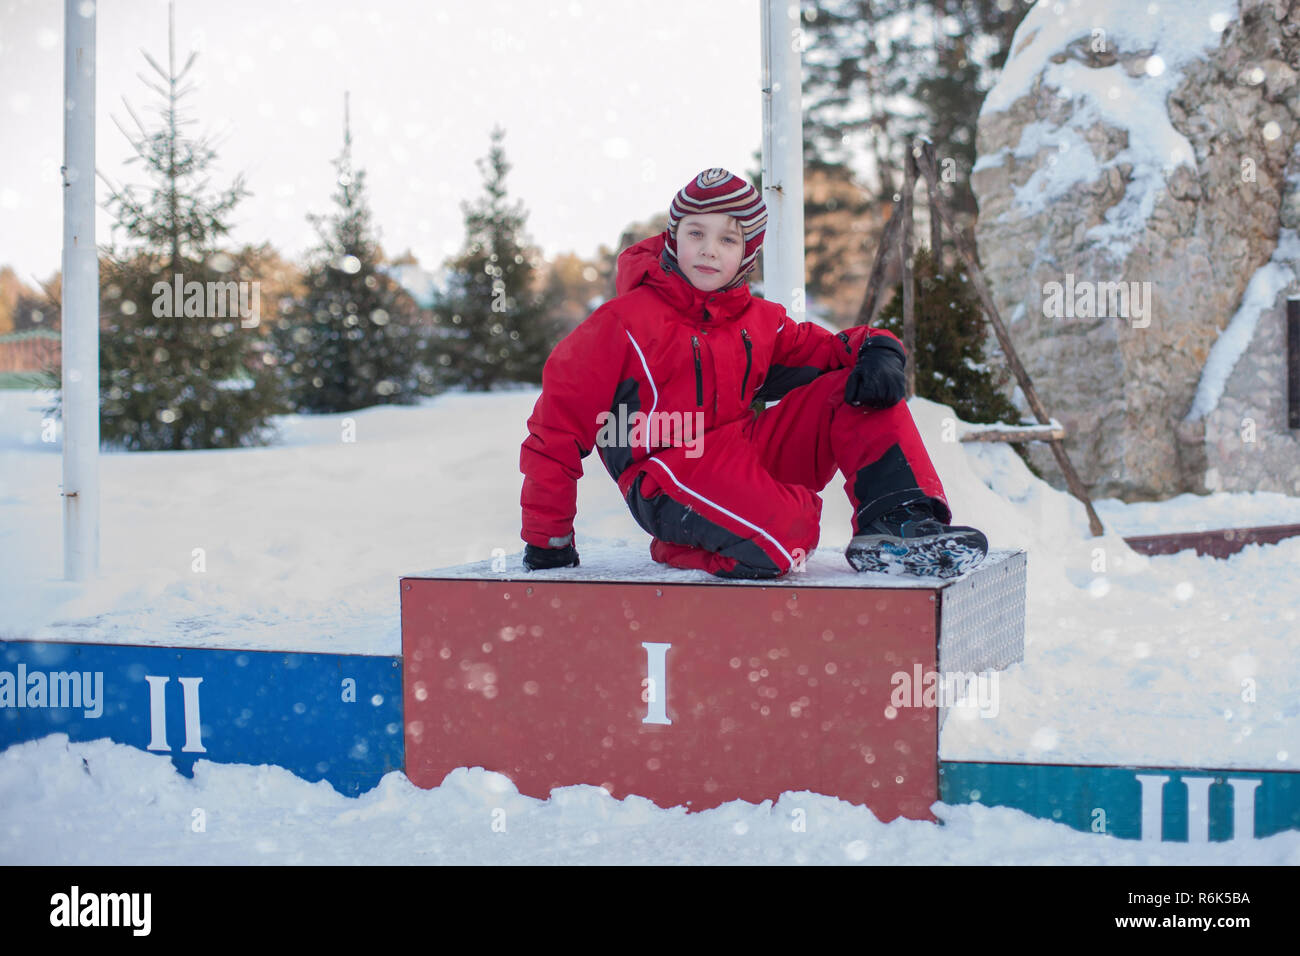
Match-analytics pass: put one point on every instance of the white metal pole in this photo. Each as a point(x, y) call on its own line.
point(80, 322)
point(783, 252)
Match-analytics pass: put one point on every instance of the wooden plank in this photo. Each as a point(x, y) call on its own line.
point(976, 276)
point(1218, 543)
point(1008, 434)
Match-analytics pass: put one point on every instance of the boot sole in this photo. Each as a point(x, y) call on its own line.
point(945, 555)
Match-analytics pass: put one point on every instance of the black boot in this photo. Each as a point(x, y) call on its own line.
point(911, 540)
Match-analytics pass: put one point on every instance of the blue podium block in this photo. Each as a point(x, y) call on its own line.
point(333, 717)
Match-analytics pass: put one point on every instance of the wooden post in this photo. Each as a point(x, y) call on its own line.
point(909, 315)
point(1293, 362)
point(884, 251)
point(928, 170)
point(936, 231)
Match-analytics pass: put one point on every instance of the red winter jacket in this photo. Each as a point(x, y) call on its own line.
point(661, 346)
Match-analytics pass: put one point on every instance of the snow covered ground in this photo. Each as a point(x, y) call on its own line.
point(103, 803)
point(1161, 661)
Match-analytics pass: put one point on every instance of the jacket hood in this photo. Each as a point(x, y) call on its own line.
point(645, 264)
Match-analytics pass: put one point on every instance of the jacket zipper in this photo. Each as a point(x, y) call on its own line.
point(699, 373)
point(749, 358)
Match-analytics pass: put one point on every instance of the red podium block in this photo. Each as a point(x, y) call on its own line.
point(691, 690)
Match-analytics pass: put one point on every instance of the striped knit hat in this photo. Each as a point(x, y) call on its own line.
point(716, 190)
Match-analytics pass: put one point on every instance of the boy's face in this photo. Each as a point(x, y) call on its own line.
point(709, 249)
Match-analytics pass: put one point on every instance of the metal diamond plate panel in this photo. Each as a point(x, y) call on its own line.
point(982, 618)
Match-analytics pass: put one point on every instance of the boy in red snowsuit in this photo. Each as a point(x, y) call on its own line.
point(660, 381)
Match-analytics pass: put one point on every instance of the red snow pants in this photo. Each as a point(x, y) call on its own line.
point(749, 506)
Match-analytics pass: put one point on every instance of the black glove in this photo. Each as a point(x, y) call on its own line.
point(877, 380)
point(540, 559)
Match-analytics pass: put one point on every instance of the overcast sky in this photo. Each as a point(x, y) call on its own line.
point(609, 107)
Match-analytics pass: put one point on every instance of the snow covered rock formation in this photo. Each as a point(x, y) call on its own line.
point(1138, 185)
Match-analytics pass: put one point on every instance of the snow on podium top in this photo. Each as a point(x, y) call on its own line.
point(619, 561)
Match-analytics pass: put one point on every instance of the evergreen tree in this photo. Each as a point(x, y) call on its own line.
point(354, 340)
point(950, 338)
point(880, 72)
point(495, 325)
point(189, 371)
point(836, 214)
